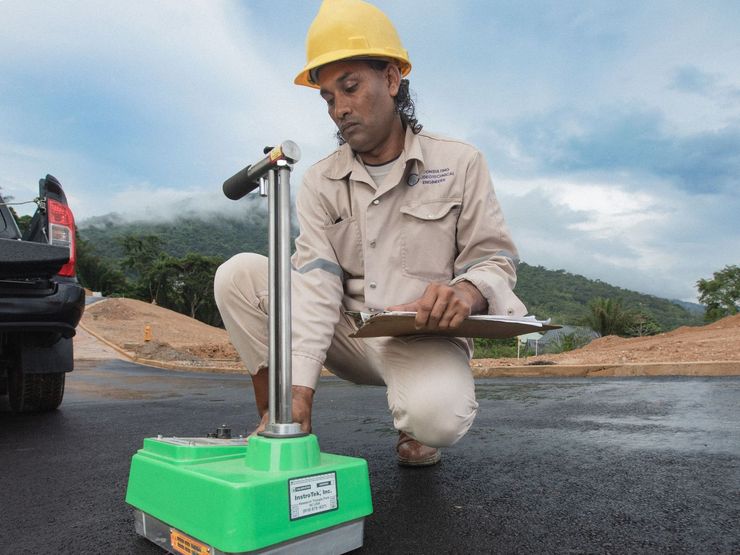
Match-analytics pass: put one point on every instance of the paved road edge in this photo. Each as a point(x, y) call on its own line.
point(723, 368)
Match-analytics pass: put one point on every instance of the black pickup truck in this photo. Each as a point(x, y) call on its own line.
point(41, 301)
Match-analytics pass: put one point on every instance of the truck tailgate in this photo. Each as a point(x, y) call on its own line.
point(22, 259)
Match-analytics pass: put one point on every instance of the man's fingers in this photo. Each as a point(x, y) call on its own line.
point(425, 307)
point(261, 426)
point(422, 317)
point(302, 404)
point(439, 314)
point(446, 306)
point(440, 307)
point(446, 320)
point(453, 316)
point(457, 321)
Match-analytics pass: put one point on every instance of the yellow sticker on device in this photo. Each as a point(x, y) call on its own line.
point(276, 154)
point(187, 545)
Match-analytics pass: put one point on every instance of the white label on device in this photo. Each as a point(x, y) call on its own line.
point(312, 495)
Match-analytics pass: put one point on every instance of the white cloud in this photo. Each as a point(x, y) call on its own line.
point(610, 210)
point(157, 204)
point(177, 95)
point(658, 240)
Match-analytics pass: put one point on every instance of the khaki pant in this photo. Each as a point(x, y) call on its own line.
point(430, 388)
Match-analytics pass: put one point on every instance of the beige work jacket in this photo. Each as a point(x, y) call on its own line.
point(436, 219)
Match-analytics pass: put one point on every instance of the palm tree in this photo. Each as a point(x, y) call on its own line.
point(608, 317)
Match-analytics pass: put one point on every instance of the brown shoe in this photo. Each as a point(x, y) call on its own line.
point(412, 453)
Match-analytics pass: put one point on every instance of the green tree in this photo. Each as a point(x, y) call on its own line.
point(148, 264)
point(140, 251)
point(721, 294)
point(98, 274)
point(495, 348)
point(196, 283)
point(182, 284)
point(608, 317)
point(185, 285)
point(642, 324)
point(569, 341)
point(24, 222)
point(162, 280)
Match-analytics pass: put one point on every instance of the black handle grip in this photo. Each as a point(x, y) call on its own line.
point(240, 184)
point(248, 179)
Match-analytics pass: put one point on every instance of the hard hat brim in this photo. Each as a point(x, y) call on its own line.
point(304, 77)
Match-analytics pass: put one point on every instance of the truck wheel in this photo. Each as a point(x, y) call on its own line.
point(35, 392)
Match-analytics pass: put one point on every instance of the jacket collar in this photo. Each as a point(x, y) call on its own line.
point(345, 162)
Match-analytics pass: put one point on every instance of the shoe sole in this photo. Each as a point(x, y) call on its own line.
point(429, 461)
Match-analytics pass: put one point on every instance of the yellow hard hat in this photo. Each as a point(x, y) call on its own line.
point(350, 29)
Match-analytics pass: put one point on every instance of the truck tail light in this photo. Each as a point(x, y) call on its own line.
point(62, 232)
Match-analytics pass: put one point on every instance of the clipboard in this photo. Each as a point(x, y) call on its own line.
point(396, 324)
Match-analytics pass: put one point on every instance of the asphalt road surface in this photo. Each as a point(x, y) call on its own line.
point(551, 465)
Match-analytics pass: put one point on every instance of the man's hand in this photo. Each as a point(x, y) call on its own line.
point(445, 307)
point(302, 405)
point(302, 402)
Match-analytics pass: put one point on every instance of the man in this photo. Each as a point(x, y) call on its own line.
point(395, 219)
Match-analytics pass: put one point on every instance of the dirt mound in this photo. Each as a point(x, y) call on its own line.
point(174, 336)
point(718, 341)
point(729, 322)
point(114, 309)
point(214, 351)
point(156, 350)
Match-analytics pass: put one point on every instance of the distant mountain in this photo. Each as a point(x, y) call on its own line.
point(555, 294)
point(223, 237)
point(693, 308)
point(564, 297)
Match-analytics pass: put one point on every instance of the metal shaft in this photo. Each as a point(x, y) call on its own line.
point(280, 370)
point(285, 413)
point(274, 294)
point(275, 169)
point(278, 194)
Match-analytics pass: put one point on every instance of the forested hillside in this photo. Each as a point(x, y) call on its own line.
point(224, 237)
point(555, 294)
point(565, 297)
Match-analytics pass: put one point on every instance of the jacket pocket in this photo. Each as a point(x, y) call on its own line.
point(428, 239)
point(344, 238)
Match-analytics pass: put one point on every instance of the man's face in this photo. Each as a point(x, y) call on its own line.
point(360, 101)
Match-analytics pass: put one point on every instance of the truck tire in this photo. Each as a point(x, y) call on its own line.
point(35, 392)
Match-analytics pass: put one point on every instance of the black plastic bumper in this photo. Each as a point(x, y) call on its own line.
point(49, 306)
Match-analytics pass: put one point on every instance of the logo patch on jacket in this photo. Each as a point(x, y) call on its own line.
point(432, 177)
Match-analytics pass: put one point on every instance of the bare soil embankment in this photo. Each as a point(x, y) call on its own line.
point(713, 349)
point(177, 341)
point(182, 342)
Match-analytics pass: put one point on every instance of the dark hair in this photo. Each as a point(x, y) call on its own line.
point(404, 102)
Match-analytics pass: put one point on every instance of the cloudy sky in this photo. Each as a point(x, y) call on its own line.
point(612, 129)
